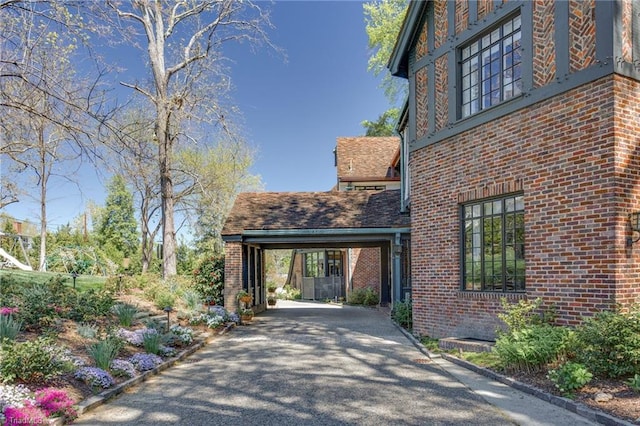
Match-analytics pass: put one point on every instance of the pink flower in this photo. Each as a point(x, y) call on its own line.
point(8, 311)
point(55, 402)
point(27, 415)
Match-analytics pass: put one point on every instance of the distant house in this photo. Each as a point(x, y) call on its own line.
point(522, 142)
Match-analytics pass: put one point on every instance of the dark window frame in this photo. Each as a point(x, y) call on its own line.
point(492, 245)
point(490, 67)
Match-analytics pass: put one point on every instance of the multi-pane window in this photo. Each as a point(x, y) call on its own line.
point(493, 245)
point(491, 68)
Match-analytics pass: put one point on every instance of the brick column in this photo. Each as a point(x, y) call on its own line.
point(232, 275)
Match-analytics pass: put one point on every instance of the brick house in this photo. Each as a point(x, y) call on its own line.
point(329, 222)
point(522, 133)
point(362, 163)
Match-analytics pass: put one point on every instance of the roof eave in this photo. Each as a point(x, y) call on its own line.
point(399, 61)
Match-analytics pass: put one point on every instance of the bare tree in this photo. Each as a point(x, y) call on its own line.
point(183, 41)
point(44, 103)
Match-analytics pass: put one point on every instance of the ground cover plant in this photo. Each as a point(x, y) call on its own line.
point(596, 363)
point(76, 342)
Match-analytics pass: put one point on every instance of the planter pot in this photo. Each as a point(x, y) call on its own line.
point(246, 318)
point(271, 302)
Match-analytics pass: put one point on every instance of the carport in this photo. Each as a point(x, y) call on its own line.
point(298, 220)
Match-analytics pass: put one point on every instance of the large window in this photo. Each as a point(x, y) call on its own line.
point(491, 68)
point(493, 245)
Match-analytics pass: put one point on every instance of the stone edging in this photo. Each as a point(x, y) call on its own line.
point(566, 403)
point(104, 396)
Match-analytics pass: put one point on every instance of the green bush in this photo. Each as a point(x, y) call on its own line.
point(164, 299)
point(125, 313)
point(634, 382)
point(37, 305)
point(152, 342)
point(208, 278)
point(33, 361)
point(609, 343)
point(523, 314)
point(402, 314)
point(104, 351)
point(289, 293)
point(363, 296)
point(531, 348)
point(192, 300)
point(570, 377)
point(9, 328)
point(91, 304)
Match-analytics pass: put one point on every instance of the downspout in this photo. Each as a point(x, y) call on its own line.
point(396, 283)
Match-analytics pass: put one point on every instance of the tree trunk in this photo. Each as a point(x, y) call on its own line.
point(42, 264)
point(165, 147)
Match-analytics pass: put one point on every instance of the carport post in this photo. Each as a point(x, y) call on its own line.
point(396, 283)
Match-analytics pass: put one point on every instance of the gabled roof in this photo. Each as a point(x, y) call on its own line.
point(365, 157)
point(314, 211)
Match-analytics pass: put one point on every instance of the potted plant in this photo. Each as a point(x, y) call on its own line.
point(246, 314)
point(271, 288)
point(271, 301)
point(244, 297)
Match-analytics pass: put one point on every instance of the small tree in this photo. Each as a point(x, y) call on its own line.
point(209, 279)
point(116, 224)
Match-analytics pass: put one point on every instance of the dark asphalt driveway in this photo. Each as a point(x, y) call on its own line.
point(303, 364)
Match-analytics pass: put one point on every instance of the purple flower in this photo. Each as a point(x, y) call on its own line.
point(123, 368)
point(145, 362)
point(136, 337)
point(95, 377)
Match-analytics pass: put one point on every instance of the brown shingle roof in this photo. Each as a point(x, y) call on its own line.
point(365, 156)
point(315, 210)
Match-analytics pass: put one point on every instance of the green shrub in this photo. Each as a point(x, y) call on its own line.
point(523, 314)
point(37, 305)
point(152, 342)
point(610, 343)
point(289, 293)
point(531, 348)
point(9, 328)
point(91, 304)
point(402, 314)
point(33, 361)
point(125, 313)
point(208, 279)
point(569, 377)
point(363, 296)
point(634, 382)
point(192, 300)
point(88, 331)
point(164, 299)
point(104, 351)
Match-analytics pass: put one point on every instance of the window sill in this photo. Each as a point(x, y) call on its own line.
point(491, 295)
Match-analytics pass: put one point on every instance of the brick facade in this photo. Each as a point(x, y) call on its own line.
point(365, 266)
point(570, 145)
point(579, 179)
point(232, 274)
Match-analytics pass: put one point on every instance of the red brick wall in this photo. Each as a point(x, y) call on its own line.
point(577, 192)
point(232, 274)
point(366, 268)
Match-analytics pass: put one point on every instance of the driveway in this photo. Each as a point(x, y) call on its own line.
point(312, 364)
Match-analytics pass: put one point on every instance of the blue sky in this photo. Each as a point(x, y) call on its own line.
point(293, 110)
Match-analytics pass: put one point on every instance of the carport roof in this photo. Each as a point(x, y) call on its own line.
point(278, 211)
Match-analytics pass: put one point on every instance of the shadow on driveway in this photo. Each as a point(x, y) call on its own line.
point(303, 364)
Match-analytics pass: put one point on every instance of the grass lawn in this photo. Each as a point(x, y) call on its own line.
point(83, 282)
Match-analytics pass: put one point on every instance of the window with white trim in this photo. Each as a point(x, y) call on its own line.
point(491, 68)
